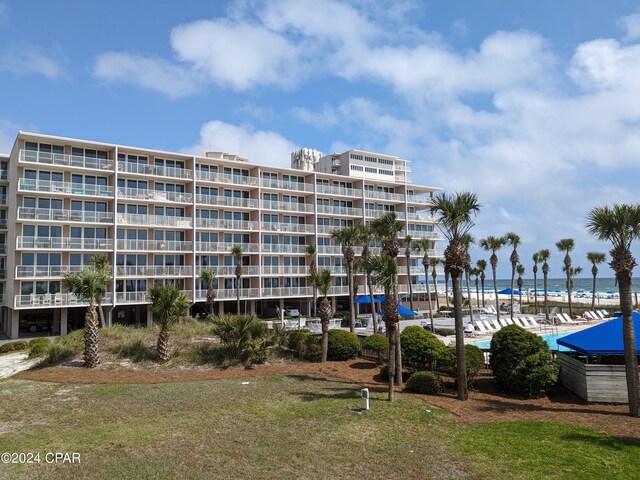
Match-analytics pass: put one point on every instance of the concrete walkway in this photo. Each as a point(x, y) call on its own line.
point(12, 363)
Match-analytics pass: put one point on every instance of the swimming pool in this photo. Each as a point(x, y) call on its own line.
point(550, 338)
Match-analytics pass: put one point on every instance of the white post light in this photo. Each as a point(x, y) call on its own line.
point(365, 395)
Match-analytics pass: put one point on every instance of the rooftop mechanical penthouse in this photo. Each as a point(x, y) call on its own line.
point(162, 217)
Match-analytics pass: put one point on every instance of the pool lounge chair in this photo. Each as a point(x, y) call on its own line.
point(523, 322)
point(481, 328)
point(534, 323)
point(503, 322)
point(495, 324)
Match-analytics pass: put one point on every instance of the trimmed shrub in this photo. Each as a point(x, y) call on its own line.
point(522, 362)
point(420, 349)
point(296, 338)
point(312, 349)
point(376, 342)
point(424, 382)
point(473, 358)
point(445, 332)
point(38, 347)
point(343, 345)
point(14, 346)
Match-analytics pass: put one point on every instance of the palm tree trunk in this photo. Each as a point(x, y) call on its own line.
point(513, 276)
point(446, 287)
point(477, 293)
point(435, 288)
point(629, 340)
point(535, 291)
point(426, 280)
point(352, 307)
point(546, 298)
point(495, 291)
point(468, 278)
point(482, 285)
point(373, 304)
point(461, 377)
point(399, 379)
point(91, 343)
point(238, 294)
point(103, 323)
point(593, 294)
point(163, 344)
point(408, 257)
point(325, 340)
point(391, 332)
point(569, 292)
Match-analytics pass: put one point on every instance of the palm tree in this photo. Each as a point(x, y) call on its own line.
point(321, 281)
point(386, 229)
point(620, 225)
point(513, 240)
point(595, 258)
point(385, 271)
point(566, 245)
point(86, 285)
point(467, 240)
point(408, 246)
point(311, 251)
point(447, 275)
point(208, 277)
point(365, 236)
point(476, 273)
point(571, 272)
point(520, 271)
point(456, 213)
point(482, 266)
point(100, 262)
point(347, 237)
point(493, 244)
point(544, 255)
point(536, 260)
point(168, 304)
point(424, 245)
point(434, 262)
point(237, 252)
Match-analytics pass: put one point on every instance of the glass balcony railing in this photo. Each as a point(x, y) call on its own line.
point(230, 270)
point(153, 271)
point(227, 201)
point(395, 197)
point(286, 185)
point(421, 199)
point(154, 195)
point(287, 206)
point(154, 220)
point(287, 292)
point(3, 198)
point(154, 245)
point(286, 227)
point(222, 247)
point(229, 294)
point(35, 300)
point(28, 156)
point(223, 224)
point(154, 170)
point(63, 243)
point(64, 188)
point(285, 270)
point(280, 248)
point(43, 271)
point(335, 190)
point(329, 210)
point(49, 215)
point(225, 178)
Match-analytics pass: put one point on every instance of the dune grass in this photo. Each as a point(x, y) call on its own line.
point(285, 427)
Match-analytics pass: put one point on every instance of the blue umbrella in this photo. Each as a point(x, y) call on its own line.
point(507, 291)
point(367, 299)
point(404, 311)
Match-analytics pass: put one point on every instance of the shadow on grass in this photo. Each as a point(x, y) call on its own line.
point(339, 395)
point(600, 440)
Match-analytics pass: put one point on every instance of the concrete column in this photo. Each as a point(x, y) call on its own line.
point(64, 314)
point(149, 318)
point(220, 308)
point(137, 316)
point(252, 307)
point(14, 324)
point(109, 317)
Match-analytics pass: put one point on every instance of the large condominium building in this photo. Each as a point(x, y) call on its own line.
point(163, 217)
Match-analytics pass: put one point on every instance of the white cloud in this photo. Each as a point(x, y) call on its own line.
point(30, 60)
point(4, 13)
point(631, 26)
point(259, 146)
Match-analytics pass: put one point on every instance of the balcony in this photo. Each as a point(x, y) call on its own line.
point(46, 271)
point(415, 270)
point(53, 300)
point(28, 156)
point(229, 294)
point(348, 211)
point(287, 292)
point(63, 243)
point(375, 213)
point(132, 297)
point(281, 248)
point(154, 271)
point(329, 250)
point(139, 219)
point(334, 190)
point(223, 224)
point(283, 185)
point(394, 197)
point(227, 201)
point(416, 234)
point(285, 270)
point(287, 206)
point(420, 199)
point(154, 245)
point(48, 215)
point(225, 178)
point(286, 227)
point(326, 229)
point(222, 247)
point(154, 195)
point(64, 188)
point(230, 270)
point(154, 170)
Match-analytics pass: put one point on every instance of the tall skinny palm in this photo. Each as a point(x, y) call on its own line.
point(408, 247)
point(447, 276)
point(321, 281)
point(208, 277)
point(467, 240)
point(571, 273)
point(347, 237)
point(620, 225)
point(566, 245)
point(311, 251)
point(513, 240)
point(86, 285)
point(595, 258)
point(476, 273)
point(536, 260)
point(424, 245)
point(168, 304)
point(237, 252)
point(100, 262)
point(456, 213)
point(434, 262)
point(482, 266)
point(544, 255)
point(385, 271)
point(520, 272)
point(365, 236)
point(493, 244)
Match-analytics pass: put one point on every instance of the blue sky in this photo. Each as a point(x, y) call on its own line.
point(534, 105)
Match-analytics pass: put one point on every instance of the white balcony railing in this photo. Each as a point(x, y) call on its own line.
point(230, 270)
point(223, 247)
point(229, 294)
point(154, 270)
point(223, 224)
point(53, 300)
point(334, 190)
point(285, 270)
point(281, 248)
point(287, 206)
point(28, 156)
point(45, 271)
point(48, 215)
point(64, 188)
point(63, 243)
point(329, 210)
point(284, 185)
point(154, 195)
point(420, 199)
point(287, 292)
point(154, 170)
point(227, 201)
point(154, 245)
point(225, 178)
point(154, 220)
point(395, 197)
point(286, 227)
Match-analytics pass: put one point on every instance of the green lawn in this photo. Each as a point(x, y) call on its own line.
point(282, 427)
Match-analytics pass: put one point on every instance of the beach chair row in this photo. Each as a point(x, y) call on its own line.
point(493, 325)
point(565, 319)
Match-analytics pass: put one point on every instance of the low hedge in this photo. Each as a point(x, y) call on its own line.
point(424, 382)
point(343, 345)
point(376, 342)
point(420, 349)
point(473, 358)
point(445, 332)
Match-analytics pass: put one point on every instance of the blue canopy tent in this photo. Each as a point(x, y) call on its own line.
point(603, 339)
point(404, 311)
point(367, 299)
point(507, 291)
